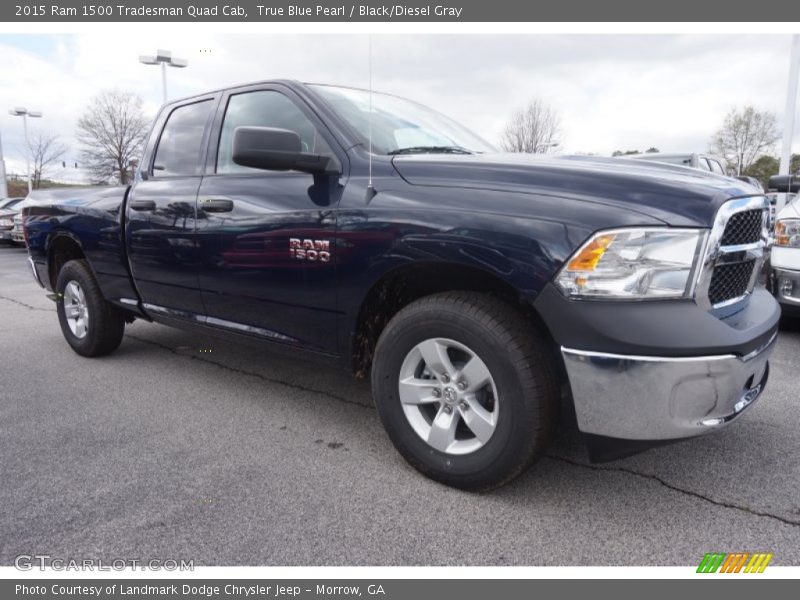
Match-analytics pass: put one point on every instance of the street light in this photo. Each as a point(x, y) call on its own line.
point(21, 111)
point(3, 187)
point(164, 58)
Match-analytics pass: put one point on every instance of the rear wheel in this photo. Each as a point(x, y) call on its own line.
point(91, 325)
point(466, 389)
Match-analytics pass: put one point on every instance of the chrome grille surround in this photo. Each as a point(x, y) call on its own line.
point(716, 255)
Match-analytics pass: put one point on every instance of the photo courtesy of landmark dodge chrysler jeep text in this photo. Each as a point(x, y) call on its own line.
point(479, 291)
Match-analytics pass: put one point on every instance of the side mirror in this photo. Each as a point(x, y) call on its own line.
point(787, 184)
point(277, 150)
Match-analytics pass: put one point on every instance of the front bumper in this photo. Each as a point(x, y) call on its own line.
point(661, 370)
point(787, 289)
point(662, 398)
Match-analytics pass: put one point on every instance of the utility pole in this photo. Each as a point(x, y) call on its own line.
point(3, 187)
point(789, 115)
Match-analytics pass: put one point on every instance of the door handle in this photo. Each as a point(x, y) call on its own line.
point(215, 205)
point(143, 205)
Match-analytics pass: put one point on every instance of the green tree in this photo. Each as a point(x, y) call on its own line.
point(745, 135)
point(766, 166)
point(763, 168)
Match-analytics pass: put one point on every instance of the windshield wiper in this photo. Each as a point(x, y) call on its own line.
point(432, 150)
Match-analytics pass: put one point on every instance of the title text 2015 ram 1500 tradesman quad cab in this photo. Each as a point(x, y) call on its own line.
point(480, 290)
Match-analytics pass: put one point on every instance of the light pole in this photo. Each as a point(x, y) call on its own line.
point(21, 111)
point(3, 188)
point(164, 58)
point(789, 115)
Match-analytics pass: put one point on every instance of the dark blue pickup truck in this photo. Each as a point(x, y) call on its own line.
point(481, 292)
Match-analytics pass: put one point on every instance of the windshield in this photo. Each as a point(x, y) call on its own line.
point(401, 126)
point(8, 203)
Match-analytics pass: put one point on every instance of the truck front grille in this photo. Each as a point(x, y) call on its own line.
point(730, 281)
point(743, 228)
point(736, 250)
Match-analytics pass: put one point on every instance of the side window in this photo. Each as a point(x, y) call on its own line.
point(181, 143)
point(264, 108)
point(716, 167)
point(702, 163)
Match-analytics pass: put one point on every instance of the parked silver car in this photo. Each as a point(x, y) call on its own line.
point(695, 160)
point(7, 203)
point(17, 234)
point(8, 209)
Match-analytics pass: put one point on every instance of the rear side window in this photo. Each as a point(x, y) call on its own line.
point(181, 144)
point(264, 108)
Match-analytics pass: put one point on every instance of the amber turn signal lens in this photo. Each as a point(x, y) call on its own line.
point(787, 233)
point(590, 255)
point(781, 239)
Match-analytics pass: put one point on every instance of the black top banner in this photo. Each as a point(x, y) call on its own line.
point(406, 11)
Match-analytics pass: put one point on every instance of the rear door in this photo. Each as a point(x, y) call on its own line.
point(267, 237)
point(161, 210)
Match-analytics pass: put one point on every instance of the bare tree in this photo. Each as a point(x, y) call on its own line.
point(533, 129)
point(744, 136)
point(111, 133)
point(45, 148)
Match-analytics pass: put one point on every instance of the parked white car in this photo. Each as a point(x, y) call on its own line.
point(786, 251)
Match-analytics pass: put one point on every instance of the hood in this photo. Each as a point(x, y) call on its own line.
point(676, 195)
point(791, 210)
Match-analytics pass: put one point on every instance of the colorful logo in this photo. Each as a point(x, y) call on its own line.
point(744, 562)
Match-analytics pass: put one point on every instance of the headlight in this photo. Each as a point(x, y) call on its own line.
point(633, 264)
point(6, 223)
point(787, 233)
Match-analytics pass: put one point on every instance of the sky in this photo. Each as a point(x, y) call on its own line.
point(612, 91)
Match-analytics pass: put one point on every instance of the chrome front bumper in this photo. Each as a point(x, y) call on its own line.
point(662, 398)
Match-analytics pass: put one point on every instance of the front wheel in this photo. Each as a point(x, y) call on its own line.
point(90, 324)
point(466, 389)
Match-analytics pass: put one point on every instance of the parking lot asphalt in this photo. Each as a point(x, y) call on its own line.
point(184, 447)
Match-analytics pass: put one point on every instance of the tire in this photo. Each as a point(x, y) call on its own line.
point(514, 414)
point(103, 324)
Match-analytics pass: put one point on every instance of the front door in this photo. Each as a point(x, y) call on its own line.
point(161, 213)
point(267, 237)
